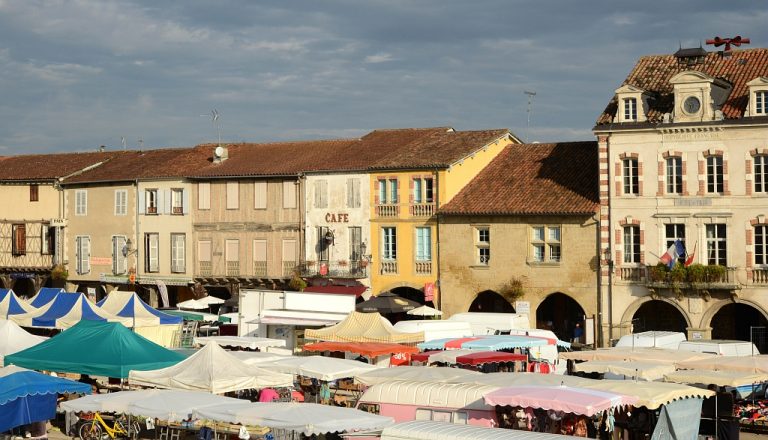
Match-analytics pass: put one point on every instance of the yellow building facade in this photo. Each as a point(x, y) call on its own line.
point(404, 235)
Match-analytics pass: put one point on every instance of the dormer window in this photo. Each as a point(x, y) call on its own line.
point(761, 102)
point(630, 109)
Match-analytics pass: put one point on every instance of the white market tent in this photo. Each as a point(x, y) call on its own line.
point(417, 374)
point(211, 369)
point(200, 304)
point(249, 342)
point(651, 394)
point(306, 418)
point(639, 370)
point(424, 311)
point(719, 378)
point(257, 357)
point(746, 364)
point(319, 367)
point(642, 354)
point(10, 304)
point(509, 379)
point(160, 328)
point(171, 405)
point(429, 430)
point(14, 339)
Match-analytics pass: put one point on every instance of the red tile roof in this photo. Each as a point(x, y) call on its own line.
point(533, 179)
point(652, 73)
point(150, 164)
point(39, 167)
point(379, 149)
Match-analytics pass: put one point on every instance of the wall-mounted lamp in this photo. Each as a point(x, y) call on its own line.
point(329, 238)
point(128, 248)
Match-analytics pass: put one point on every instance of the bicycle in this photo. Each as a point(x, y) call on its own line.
point(94, 428)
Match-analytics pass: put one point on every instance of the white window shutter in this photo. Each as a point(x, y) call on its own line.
point(185, 201)
point(87, 253)
point(115, 253)
point(167, 201)
point(142, 203)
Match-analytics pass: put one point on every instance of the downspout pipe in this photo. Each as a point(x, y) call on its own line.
point(437, 240)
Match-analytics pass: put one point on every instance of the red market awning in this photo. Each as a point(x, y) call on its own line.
point(423, 356)
point(458, 342)
point(342, 290)
point(486, 357)
point(370, 349)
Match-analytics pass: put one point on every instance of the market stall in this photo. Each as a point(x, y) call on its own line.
point(28, 396)
point(14, 339)
point(160, 328)
point(638, 354)
point(10, 304)
point(245, 342)
point(95, 348)
point(380, 353)
point(211, 369)
point(628, 369)
point(44, 296)
point(319, 367)
point(416, 374)
point(746, 364)
point(364, 327)
point(582, 401)
point(490, 343)
point(65, 310)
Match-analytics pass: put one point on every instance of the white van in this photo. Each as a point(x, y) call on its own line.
point(722, 347)
point(436, 329)
point(491, 323)
point(658, 339)
point(548, 353)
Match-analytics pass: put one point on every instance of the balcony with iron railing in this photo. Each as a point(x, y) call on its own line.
point(335, 269)
point(413, 210)
point(206, 268)
point(289, 267)
point(233, 268)
point(694, 277)
point(260, 268)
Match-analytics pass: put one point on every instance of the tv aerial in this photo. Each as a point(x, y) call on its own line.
point(215, 119)
point(529, 110)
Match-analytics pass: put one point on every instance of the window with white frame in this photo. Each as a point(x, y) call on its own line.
point(152, 252)
point(177, 201)
point(233, 195)
point(204, 195)
point(388, 191)
point(716, 244)
point(546, 244)
point(121, 202)
point(48, 245)
point(424, 243)
point(353, 193)
point(761, 173)
point(632, 244)
point(761, 102)
point(482, 245)
point(761, 245)
point(423, 190)
point(714, 174)
point(178, 253)
point(151, 201)
point(321, 193)
point(630, 176)
point(674, 175)
point(672, 233)
point(630, 109)
point(83, 254)
point(81, 202)
point(389, 243)
point(119, 261)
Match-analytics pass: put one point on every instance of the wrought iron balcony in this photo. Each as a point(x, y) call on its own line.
point(335, 269)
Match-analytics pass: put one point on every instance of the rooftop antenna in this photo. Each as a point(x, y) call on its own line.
point(530, 94)
point(122, 141)
point(141, 143)
point(215, 116)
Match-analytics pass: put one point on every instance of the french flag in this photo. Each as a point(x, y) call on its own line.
point(673, 253)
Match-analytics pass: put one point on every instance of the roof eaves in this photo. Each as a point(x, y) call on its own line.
point(497, 139)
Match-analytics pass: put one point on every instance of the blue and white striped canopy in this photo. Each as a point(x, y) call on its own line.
point(129, 305)
point(10, 304)
point(44, 296)
point(66, 310)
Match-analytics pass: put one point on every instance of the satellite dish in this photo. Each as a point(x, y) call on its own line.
point(219, 151)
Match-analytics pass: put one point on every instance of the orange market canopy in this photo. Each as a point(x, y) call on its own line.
point(364, 327)
point(369, 349)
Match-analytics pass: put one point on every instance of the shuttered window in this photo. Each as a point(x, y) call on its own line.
point(119, 262)
point(203, 195)
point(19, 232)
point(289, 195)
point(152, 252)
point(178, 253)
point(260, 195)
point(321, 193)
point(353, 193)
point(233, 195)
point(233, 250)
point(204, 250)
point(81, 202)
point(83, 251)
point(121, 202)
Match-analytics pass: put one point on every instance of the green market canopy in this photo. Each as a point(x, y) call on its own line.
point(96, 348)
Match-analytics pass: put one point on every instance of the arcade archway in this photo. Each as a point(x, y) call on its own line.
point(411, 293)
point(489, 301)
point(658, 315)
point(741, 322)
point(560, 313)
point(24, 288)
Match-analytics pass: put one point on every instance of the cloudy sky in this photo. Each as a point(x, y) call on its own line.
point(78, 74)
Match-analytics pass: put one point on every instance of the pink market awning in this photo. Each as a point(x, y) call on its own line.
point(582, 401)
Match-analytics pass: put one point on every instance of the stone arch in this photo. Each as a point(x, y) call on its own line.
point(632, 309)
point(489, 301)
point(24, 288)
point(560, 313)
point(736, 319)
point(709, 314)
point(412, 293)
